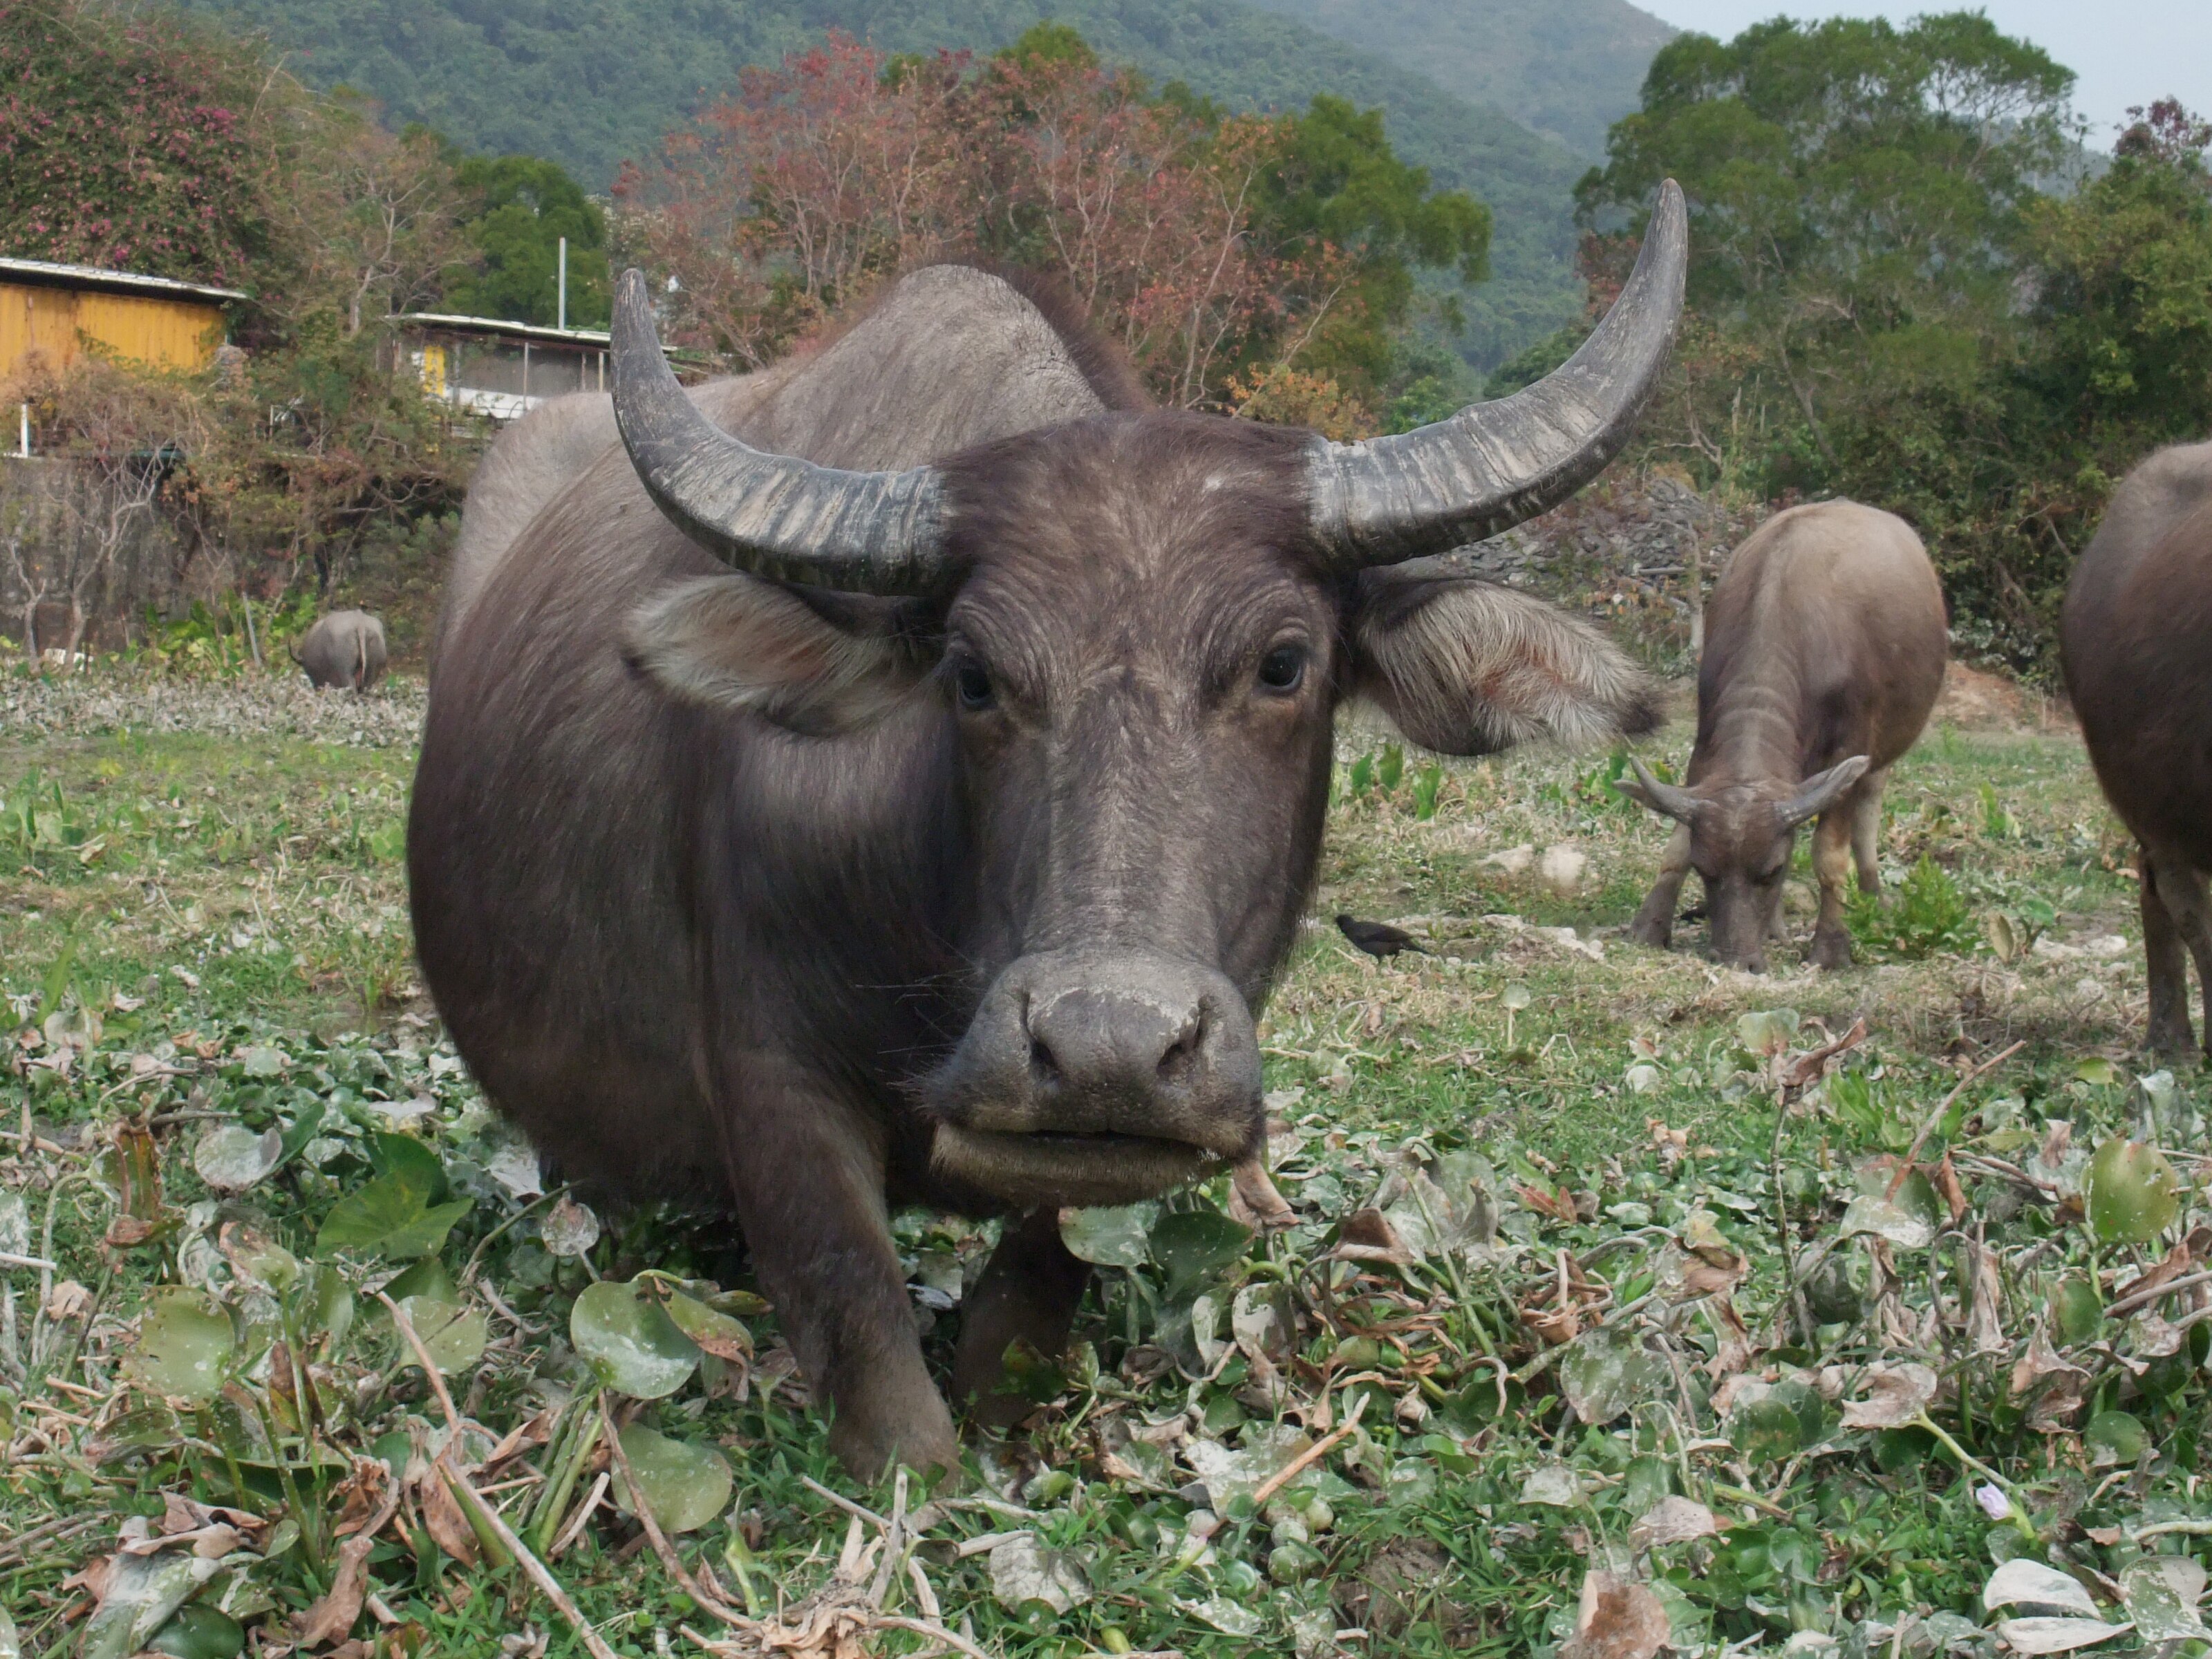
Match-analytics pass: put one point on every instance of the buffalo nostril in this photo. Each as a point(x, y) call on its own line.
point(1044, 1066)
point(1181, 1057)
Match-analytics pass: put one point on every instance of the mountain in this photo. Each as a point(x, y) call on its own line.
point(1565, 69)
point(588, 82)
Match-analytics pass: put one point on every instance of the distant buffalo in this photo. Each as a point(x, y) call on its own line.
point(1824, 648)
point(346, 647)
point(899, 776)
point(2136, 637)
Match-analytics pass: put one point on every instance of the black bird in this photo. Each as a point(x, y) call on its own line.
point(1379, 938)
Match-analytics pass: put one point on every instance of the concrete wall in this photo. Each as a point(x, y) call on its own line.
point(47, 509)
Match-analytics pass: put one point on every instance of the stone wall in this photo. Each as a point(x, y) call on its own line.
point(53, 514)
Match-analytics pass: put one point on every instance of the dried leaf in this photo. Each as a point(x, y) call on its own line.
point(1985, 1329)
point(442, 1519)
point(1368, 1236)
point(1895, 1395)
point(332, 1619)
point(1617, 1619)
point(1253, 1200)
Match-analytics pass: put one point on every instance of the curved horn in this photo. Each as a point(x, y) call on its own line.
point(1491, 465)
point(768, 516)
point(1667, 799)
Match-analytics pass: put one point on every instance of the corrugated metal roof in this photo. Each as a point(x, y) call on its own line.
point(581, 337)
point(46, 273)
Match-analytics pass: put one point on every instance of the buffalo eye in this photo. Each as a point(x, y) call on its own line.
point(972, 682)
point(1284, 669)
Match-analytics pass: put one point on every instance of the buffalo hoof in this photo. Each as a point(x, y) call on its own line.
point(1830, 950)
point(1658, 935)
point(918, 1433)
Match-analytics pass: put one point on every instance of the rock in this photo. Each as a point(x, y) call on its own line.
point(1564, 869)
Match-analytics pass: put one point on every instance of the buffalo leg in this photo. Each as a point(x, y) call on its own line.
point(1866, 830)
point(1028, 1293)
point(809, 1184)
point(1831, 863)
point(2181, 890)
point(2168, 968)
point(1655, 922)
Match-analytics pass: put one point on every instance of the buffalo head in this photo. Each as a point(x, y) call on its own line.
point(1131, 634)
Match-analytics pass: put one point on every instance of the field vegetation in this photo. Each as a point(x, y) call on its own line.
point(1619, 1301)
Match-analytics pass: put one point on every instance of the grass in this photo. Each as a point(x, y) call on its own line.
point(1617, 1233)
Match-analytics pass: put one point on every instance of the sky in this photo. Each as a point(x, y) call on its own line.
point(2126, 51)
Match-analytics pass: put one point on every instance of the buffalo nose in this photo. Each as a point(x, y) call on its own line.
point(1126, 1043)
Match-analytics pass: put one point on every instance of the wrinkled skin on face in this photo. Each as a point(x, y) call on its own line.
point(1134, 694)
point(1741, 853)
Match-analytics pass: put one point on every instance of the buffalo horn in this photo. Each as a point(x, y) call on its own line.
point(1492, 466)
point(768, 516)
point(1667, 799)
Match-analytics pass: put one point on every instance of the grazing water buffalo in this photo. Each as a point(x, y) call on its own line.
point(1825, 645)
point(923, 819)
point(2135, 636)
point(345, 648)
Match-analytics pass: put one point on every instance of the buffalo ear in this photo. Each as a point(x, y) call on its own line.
point(1468, 667)
point(735, 643)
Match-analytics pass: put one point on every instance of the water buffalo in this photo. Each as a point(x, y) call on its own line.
point(922, 820)
point(2136, 637)
point(1825, 646)
point(345, 647)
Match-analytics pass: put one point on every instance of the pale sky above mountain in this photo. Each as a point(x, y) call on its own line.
point(2126, 51)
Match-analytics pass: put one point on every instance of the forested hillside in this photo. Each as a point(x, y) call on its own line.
point(1565, 69)
point(590, 83)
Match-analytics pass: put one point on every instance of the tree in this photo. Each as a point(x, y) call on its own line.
point(514, 211)
point(1854, 189)
point(1209, 244)
point(367, 221)
point(129, 142)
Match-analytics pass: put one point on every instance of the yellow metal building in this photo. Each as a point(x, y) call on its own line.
point(56, 311)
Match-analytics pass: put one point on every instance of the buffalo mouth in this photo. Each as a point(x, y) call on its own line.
point(1034, 1169)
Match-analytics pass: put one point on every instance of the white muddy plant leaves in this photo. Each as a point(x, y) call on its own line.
point(2161, 1595)
point(1024, 1571)
point(630, 1341)
point(231, 1159)
point(568, 1229)
point(1112, 1238)
point(1605, 1373)
point(2022, 1581)
point(685, 1485)
point(2039, 1636)
point(184, 1346)
point(1869, 1213)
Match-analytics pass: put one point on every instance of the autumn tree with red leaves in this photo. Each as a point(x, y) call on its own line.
point(1168, 220)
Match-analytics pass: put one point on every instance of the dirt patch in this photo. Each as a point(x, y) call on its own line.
point(1975, 700)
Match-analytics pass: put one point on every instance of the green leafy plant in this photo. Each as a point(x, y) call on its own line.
point(1925, 915)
